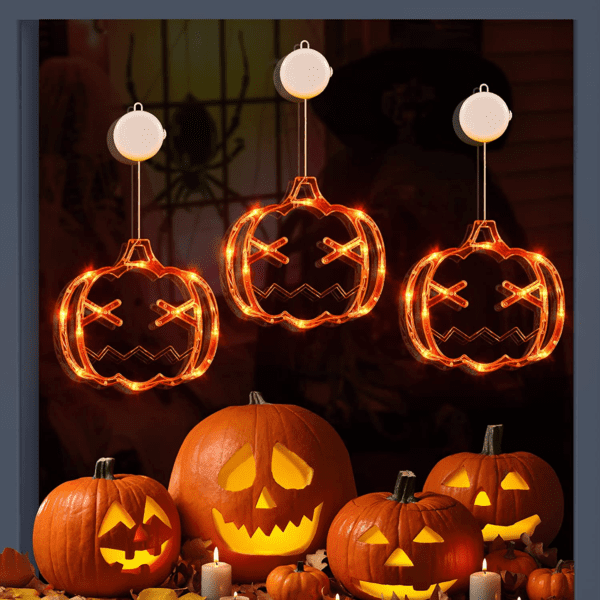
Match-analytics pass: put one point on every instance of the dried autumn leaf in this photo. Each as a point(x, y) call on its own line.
point(15, 569)
point(317, 560)
point(246, 589)
point(438, 594)
point(197, 549)
point(497, 544)
point(546, 558)
point(192, 596)
point(513, 581)
point(260, 595)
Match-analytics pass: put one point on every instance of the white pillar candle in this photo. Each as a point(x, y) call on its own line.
point(216, 579)
point(235, 597)
point(484, 585)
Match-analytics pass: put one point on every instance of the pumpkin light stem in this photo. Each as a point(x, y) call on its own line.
point(256, 398)
point(300, 567)
point(405, 488)
point(493, 440)
point(104, 469)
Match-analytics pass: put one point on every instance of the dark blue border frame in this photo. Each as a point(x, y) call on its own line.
point(19, 230)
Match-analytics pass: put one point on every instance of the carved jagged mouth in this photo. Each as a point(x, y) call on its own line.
point(511, 532)
point(140, 557)
point(292, 540)
point(379, 590)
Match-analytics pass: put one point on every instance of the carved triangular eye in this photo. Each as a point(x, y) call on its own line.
point(514, 481)
point(373, 536)
point(428, 536)
point(289, 470)
point(114, 515)
point(152, 509)
point(239, 471)
point(460, 479)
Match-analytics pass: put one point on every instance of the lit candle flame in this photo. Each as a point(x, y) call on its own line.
point(484, 565)
point(216, 556)
point(337, 597)
point(235, 595)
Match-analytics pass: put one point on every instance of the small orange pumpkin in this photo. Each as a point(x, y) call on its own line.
point(514, 561)
point(302, 583)
point(102, 536)
point(546, 583)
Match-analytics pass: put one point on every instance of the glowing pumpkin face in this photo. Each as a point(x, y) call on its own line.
point(544, 295)
point(508, 494)
point(272, 477)
point(198, 314)
point(105, 535)
point(364, 252)
point(404, 544)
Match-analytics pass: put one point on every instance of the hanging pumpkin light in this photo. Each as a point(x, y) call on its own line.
point(301, 75)
point(482, 118)
point(136, 136)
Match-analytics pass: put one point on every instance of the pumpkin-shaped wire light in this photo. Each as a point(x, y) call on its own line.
point(299, 76)
point(482, 118)
point(135, 137)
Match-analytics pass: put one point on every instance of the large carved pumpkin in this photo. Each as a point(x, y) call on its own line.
point(508, 494)
point(104, 535)
point(75, 311)
point(364, 252)
point(544, 295)
point(261, 483)
point(404, 544)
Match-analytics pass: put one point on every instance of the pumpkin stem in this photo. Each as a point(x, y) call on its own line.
point(300, 567)
point(405, 488)
point(510, 551)
point(105, 468)
point(559, 566)
point(493, 440)
point(256, 398)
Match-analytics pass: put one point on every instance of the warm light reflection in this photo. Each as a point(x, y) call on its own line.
point(365, 253)
point(544, 295)
point(74, 312)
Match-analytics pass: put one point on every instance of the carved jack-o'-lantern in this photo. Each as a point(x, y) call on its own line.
point(262, 483)
point(104, 535)
point(404, 544)
point(544, 294)
point(364, 252)
point(75, 311)
point(508, 494)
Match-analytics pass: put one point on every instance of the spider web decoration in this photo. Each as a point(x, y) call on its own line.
point(198, 314)
point(364, 252)
point(544, 295)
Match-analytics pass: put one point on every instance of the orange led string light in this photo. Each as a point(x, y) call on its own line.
point(75, 311)
point(301, 75)
point(544, 294)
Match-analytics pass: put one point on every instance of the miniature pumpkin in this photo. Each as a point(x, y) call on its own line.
point(262, 483)
point(365, 252)
point(75, 311)
point(558, 583)
point(544, 295)
point(15, 569)
point(511, 560)
point(404, 544)
point(302, 583)
point(104, 535)
point(508, 494)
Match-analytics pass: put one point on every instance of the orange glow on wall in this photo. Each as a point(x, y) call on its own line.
point(74, 312)
point(544, 295)
point(365, 252)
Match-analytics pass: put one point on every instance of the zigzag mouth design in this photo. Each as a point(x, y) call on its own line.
point(379, 590)
point(294, 539)
point(139, 352)
point(511, 532)
point(336, 290)
point(515, 334)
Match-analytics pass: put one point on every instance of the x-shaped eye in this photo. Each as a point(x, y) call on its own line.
point(448, 295)
point(173, 312)
point(269, 252)
point(344, 252)
point(103, 314)
point(517, 294)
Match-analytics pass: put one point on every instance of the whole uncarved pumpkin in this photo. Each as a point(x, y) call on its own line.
point(102, 536)
point(547, 583)
point(404, 544)
point(302, 583)
point(508, 494)
point(261, 483)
